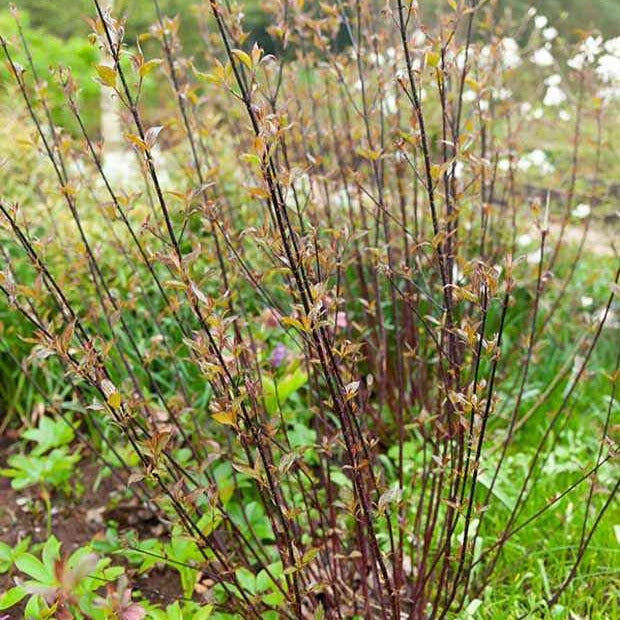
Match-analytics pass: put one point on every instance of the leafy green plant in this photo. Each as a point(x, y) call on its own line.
point(50, 463)
point(187, 611)
point(58, 586)
point(118, 604)
point(9, 554)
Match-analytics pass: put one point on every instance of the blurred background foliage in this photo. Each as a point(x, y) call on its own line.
point(57, 31)
point(67, 19)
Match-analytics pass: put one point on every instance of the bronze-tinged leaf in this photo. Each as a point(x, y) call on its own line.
point(107, 75)
point(432, 59)
point(243, 57)
point(248, 471)
point(137, 141)
point(258, 192)
point(148, 66)
point(228, 418)
point(114, 400)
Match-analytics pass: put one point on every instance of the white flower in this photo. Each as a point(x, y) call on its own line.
point(418, 38)
point(612, 46)
point(612, 321)
point(121, 167)
point(577, 61)
point(377, 59)
point(581, 211)
point(526, 107)
point(509, 49)
point(388, 104)
point(485, 57)
point(402, 73)
point(458, 170)
point(537, 159)
point(540, 21)
point(531, 11)
point(484, 105)
point(554, 96)
point(469, 96)
point(542, 57)
point(554, 80)
point(610, 93)
point(533, 258)
point(591, 47)
point(563, 115)
point(608, 68)
point(503, 165)
point(586, 301)
point(390, 52)
point(501, 94)
point(524, 239)
point(550, 33)
point(538, 113)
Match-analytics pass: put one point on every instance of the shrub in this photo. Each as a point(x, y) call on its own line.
point(321, 334)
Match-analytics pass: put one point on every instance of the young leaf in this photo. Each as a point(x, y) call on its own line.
point(34, 568)
point(148, 66)
point(107, 75)
point(432, 59)
point(51, 551)
point(114, 400)
point(225, 417)
point(12, 597)
point(243, 57)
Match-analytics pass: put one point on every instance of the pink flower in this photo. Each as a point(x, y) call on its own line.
point(341, 319)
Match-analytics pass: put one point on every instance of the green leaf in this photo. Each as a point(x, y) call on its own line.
point(6, 553)
point(209, 522)
point(280, 390)
point(51, 552)
point(246, 579)
point(12, 597)
point(485, 480)
point(203, 613)
point(472, 608)
point(174, 611)
point(112, 573)
point(34, 568)
point(49, 434)
point(264, 580)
